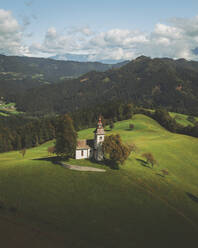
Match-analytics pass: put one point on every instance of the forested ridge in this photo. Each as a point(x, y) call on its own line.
point(17, 74)
point(146, 82)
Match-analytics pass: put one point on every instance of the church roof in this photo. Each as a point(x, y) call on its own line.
point(82, 144)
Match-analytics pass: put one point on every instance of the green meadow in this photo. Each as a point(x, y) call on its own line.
point(182, 119)
point(45, 205)
point(6, 109)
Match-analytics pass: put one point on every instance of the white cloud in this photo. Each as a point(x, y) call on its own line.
point(176, 39)
point(10, 35)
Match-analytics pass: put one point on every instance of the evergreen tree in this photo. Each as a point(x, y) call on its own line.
point(128, 111)
point(111, 124)
point(66, 137)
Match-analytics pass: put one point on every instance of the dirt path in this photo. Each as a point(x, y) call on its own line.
point(82, 168)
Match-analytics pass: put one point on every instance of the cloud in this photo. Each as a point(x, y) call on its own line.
point(10, 35)
point(113, 44)
point(177, 38)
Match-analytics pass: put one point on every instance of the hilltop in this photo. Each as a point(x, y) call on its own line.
point(135, 206)
point(144, 81)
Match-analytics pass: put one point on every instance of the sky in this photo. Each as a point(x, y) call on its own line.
point(105, 29)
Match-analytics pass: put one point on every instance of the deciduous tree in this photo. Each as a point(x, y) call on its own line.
point(115, 150)
point(149, 158)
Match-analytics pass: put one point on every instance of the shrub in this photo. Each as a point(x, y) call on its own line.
point(165, 172)
point(51, 150)
point(131, 126)
point(149, 158)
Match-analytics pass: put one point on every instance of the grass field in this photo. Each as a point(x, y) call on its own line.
point(182, 119)
point(7, 109)
point(46, 205)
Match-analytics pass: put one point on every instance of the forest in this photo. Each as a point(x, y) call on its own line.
point(150, 83)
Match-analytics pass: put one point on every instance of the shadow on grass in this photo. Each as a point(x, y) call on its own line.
point(160, 175)
point(192, 197)
point(143, 163)
point(58, 161)
point(53, 160)
point(112, 165)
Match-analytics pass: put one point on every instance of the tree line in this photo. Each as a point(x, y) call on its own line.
point(19, 132)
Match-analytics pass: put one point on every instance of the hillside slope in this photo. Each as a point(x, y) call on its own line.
point(132, 207)
point(17, 74)
point(144, 81)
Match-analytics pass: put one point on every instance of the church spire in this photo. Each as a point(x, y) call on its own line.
point(99, 129)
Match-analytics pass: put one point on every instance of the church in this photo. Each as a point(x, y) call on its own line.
point(92, 149)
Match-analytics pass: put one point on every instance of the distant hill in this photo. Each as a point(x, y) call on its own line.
point(18, 74)
point(146, 82)
point(84, 58)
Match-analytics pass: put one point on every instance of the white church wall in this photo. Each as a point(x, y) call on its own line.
point(82, 154)
point(100, 138)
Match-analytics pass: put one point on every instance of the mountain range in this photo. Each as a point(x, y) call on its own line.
point(84, 58)
point(151, 83)
point(17, 74)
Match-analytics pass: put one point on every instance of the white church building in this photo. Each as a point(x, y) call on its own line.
point(92, 148)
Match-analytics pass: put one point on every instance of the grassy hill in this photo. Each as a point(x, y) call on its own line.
point(182, 119)
point(46, 205)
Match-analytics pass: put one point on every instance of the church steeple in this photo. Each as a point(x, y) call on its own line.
point(99, 129)
point(98, 140)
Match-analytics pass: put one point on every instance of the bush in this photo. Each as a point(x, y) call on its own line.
point(165, 172)
point(149, 158)
point(131, 126)
point(51, 150)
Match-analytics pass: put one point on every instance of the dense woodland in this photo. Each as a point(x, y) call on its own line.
point(18, 74)
point(150, 83)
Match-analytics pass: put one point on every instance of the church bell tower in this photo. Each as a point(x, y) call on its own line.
point(98, 140)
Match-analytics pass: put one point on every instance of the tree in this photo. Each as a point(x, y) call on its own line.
point(66, 137)
point(114, 150)
point(128, 111)
point(50, 150)
point(131, 126)
point(191, 119)
point(149, 158)
point(111, 124)
point(23, 152)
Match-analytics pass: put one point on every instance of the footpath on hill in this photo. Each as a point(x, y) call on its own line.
point(81, 168)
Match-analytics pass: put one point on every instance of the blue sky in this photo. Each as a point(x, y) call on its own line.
point(111, 29)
